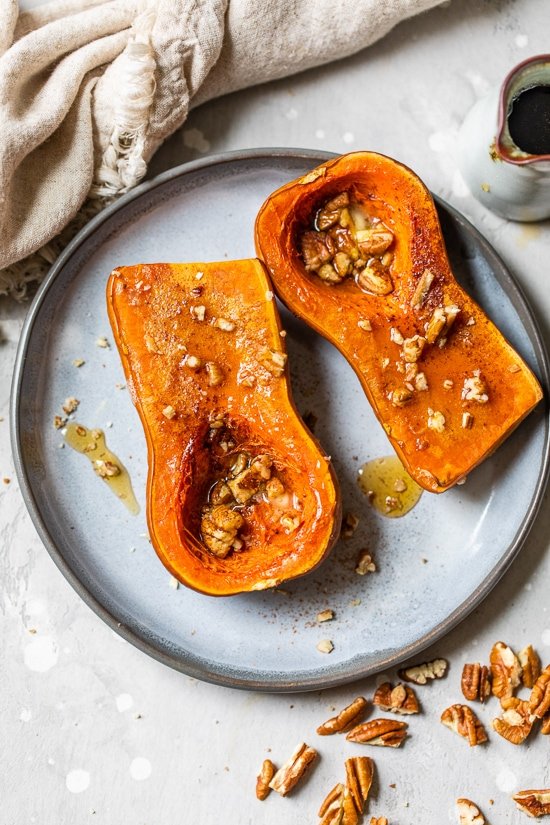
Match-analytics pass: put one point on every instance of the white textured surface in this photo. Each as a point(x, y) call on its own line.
point(93, 730)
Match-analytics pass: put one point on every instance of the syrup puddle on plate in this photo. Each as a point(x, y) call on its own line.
point(388, 486)
point(91, 443)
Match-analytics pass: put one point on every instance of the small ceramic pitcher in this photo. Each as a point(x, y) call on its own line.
point(505, 178)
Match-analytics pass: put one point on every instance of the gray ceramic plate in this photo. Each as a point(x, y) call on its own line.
point(206, 210)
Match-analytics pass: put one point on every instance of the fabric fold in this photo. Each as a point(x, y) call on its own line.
point(89, 89)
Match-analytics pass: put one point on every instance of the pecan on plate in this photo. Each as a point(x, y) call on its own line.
point(292, 771)
point(534, 803)
point(264, 778)
point(346, 719)
point(530, 664)
point(475, 682)
point(505, 670)
point(469, 813)
point(400, 699)
point(539, 701)
point(385, 732)
point(515, 722)
point(462, 720)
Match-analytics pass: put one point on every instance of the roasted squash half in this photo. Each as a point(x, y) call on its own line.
point(239, 494)
point(355, 249)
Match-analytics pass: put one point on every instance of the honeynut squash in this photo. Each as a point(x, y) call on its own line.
point(355, 249)
point(239, 494)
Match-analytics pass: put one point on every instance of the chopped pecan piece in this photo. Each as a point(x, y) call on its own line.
point(292, 771)
point(534, 803)
point(214, 373)
point(343, 264)
point(530, 666)
point(436, 420)
point(505, 670)
point(219, 528)
point(264, 778)
point(384, 732)
point(539, 701)
point(346, 719)
point(422, 289)
point(515, 723)
point(359, 773)
point(364, 564)
point(375, 278)
point(331, 211)
point(330, 274)
point(462, 720)
point(412, 348)
point(350, 523)
point(475, 682)
point(317, 249)
point(70, 405)
point(469, 813)
point(374, 241)
point(220, 493)
point(401, 397)
point(440, 323)
point(420, 674)
point(400, 699)
point(247, 480)
point(475, 389)
point(106, 469)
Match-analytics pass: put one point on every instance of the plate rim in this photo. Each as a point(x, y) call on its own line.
point(221, 676)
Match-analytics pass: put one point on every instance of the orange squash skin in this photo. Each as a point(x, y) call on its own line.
point(152, 310)
point(391, 192)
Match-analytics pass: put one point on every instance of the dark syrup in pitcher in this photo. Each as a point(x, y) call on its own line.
point(529, 120)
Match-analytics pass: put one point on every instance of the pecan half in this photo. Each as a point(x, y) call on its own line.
point(469, 813)
point(505, 670)
point(385, 732)
point(292, 771)
point(421, 674)
point(400, 699)
point(378, 820)
point(350, 814)
point(515, 722)
point(346, 719)
point(475, 682)
point(462, 720)
point(332, 806)
point(534, 803)
point(264, 778)
point(359, 773)
point(539, 701)
point(530, 666)
point(545, 726)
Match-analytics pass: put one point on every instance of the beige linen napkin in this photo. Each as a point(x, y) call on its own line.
point(89, 89)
